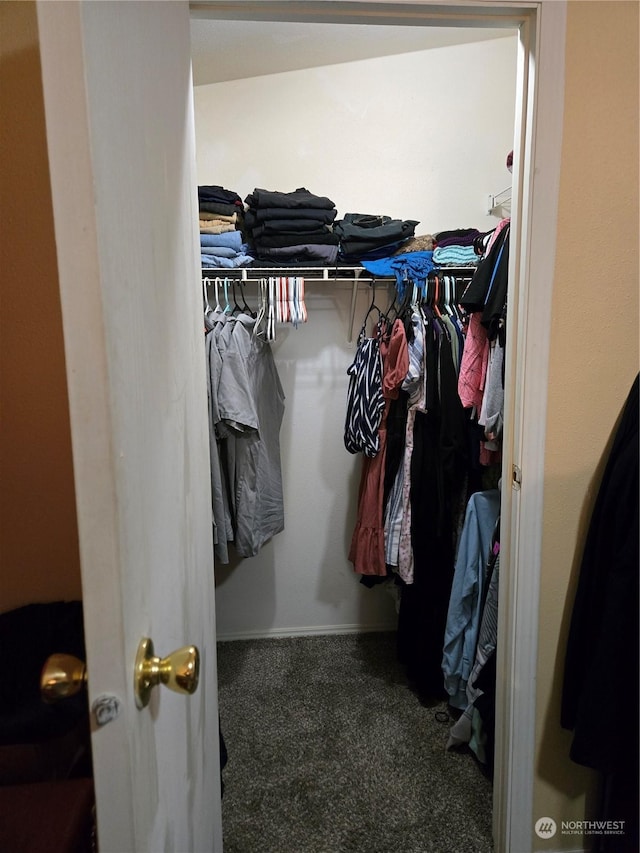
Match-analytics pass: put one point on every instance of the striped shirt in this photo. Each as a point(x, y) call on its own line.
point(365, 402)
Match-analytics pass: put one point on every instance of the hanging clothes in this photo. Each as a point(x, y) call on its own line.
point(471, 728)
point(367, 551)
point(221, 515)
point(251, 402)
point(601, 663)
point(413, 490)
point(438, 482)
point(365, 401)
point(467, 594)
point(246, 407)
point(415, 385)
point(481, 377)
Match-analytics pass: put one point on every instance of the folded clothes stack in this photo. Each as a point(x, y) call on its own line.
point(456, 248)
point(224, 250)
point(291, 228)
point(221, 222)
point(457, 256)
point(419, 243)
point(365, 236)
point(412, 266)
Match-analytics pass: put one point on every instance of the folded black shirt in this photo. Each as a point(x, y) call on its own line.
point(300, 198)
point(218, 194)
point(275, 241)
point(219, 207)
point(366, 228)
point(290, 223)
point(321, 214)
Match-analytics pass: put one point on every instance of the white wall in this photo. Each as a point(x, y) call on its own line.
point(302, 581)
point(416, 136)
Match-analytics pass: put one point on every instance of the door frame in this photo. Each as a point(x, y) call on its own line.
point(536, 180)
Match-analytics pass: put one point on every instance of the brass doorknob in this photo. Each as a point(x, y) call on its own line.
point(62, 676)
point(179, 671)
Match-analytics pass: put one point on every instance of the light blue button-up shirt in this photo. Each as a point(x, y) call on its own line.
point(463, 617)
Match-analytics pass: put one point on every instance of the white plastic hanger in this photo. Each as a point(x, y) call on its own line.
point(205, 295)
point(271, 310)
point(262, 307)
point(218, 307)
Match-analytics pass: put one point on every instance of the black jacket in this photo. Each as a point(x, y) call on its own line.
point(600, 691)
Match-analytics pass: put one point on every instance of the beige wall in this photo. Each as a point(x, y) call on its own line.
point(594, 349)
point(38, 535)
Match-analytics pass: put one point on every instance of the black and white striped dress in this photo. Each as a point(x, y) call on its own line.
point(365, 403)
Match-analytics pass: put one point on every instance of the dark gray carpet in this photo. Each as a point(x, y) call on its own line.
point(330, 752)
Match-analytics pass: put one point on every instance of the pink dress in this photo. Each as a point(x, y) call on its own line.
point(367, 543)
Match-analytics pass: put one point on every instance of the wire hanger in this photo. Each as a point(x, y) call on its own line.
point(245, 307)
point(236, 307)
point(382, 317)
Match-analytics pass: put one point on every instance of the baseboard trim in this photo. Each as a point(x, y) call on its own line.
point(306, 631)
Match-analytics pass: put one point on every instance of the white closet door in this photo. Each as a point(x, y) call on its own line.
point(118, 101)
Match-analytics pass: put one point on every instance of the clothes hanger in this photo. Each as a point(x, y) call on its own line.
point(447, 296)
point(382, 317)
point(296, 304)
point(262, 307)
point(406, 300)
point(391, 311)
point(270, 334)
point(216, 285)
point(280, 299)
point(449, 291)
point(454, 300)
point(227, 306)
point(236, 307)
point(294, 309)
point(436, 298)
point(245, 307)
point(427, 294)
point(300, 303)
point(205, 294)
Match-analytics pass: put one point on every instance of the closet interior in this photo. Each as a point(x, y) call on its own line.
point(392, 124)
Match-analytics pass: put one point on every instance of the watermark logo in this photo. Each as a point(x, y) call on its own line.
point(593, 827)
point(546, 827)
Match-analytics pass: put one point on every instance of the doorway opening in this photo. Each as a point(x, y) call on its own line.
point(257, 19)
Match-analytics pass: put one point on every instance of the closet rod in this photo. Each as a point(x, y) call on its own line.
point(460, 272)
point(243, 274)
